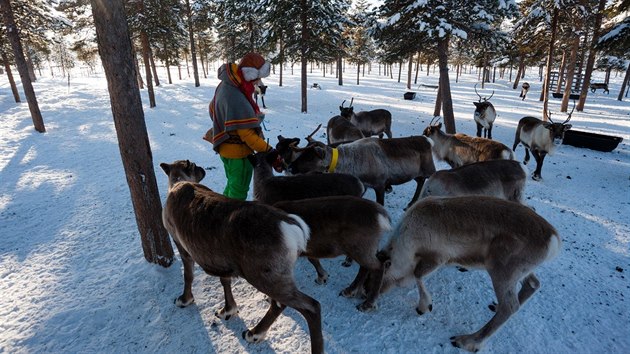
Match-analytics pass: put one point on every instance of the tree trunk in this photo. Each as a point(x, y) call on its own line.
point(591, 55)
point(339, 71)
point(545, 90)
point(168, 71)
point(415, 81)
point(438, 103)
point(153, 67)
point(624, 84)
point(570, 71)
point(29, 64)
point(521, 67)
point(358, 72)
point(445, 87)
point(7, 67)
point(135, 62)
point(133, 141)
point(409, 71)
point(18, 54)
point(281, 62)
point(303, 48)
point(147, 64)
point(193, 49)
point(563, 68)
point(187, 66)
point(399, 70)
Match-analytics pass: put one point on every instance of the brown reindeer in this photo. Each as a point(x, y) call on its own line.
point(508, 239)
point(344, 225)
point(231, 238)
point(375, 122)
point(461, 149)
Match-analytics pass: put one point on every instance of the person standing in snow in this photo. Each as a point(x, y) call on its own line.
point(236, 121)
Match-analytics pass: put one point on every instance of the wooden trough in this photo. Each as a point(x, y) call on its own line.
point(409, 95)
point(593, 141)
point(573, 96)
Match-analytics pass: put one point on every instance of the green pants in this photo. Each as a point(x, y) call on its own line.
point(239, 176)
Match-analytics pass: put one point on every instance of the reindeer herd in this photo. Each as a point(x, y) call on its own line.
point(471, 215)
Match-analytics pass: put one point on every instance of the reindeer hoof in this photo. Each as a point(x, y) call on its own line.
point(347, 262)
point(366, 307)
point(253, 338)
point(420, 312)
point(466, 342)
point(461, 269)
point(493, 307)
point(347, 293)
point(226, 314)
point(536, 177)
point(181, 302)
point(322, 280)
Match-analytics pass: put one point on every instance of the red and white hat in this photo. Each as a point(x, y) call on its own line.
point(254, 66)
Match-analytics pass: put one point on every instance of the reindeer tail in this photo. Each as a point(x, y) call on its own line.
point(296, 234)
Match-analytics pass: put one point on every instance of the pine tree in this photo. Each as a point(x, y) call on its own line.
point(615, 38)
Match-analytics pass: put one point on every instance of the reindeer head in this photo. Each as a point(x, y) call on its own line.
point(346, 112)
point(311, 159)
point(434, 127)
point(557, 130)
point(182, 171)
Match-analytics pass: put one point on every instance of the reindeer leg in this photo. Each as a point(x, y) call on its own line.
point(529, 286)
point(351, 290)
point(479, 127)
point(230, 307)
point(262, 98)
point(186, 298)
point(505, 290)
point(419, 183)
point(423, 268)
point(309, 308)
point(373, 286)
point(322, 275)
point(259, 332)
point(526, 156)
point(540, 157)
point(490, 132)
point(380, 195)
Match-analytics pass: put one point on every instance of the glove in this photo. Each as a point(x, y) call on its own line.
point(278, 163)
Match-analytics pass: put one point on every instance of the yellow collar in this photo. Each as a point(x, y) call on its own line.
point(333, 162)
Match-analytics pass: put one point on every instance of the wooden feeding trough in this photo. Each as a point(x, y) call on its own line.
point(593, 141)
point(573, 96)
point(409, 95)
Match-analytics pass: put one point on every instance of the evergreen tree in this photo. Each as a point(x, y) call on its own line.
point(615, 38)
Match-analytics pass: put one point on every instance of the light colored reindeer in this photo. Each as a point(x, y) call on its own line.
point(508, 239)
point(484, 115)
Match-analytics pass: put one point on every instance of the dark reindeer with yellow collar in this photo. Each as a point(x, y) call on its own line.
point(378, 163)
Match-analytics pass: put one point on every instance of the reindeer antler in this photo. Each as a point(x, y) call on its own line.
point(309, 138)
point(570, 113)
point(483, 98)
point(352, 100)
point(477, 93)
point(344, 101)
point(435, 120)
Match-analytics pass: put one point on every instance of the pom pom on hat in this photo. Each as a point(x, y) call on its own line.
point(252, 60)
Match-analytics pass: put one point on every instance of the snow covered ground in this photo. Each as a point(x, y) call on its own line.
point(73, 278)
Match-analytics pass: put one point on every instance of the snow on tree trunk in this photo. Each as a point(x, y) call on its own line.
point(133, 141)
point(18, 54)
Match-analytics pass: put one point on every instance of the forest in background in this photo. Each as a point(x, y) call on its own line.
point(569, 37)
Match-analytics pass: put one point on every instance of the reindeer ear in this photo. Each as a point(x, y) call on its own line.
point(200, 173)
point(567, 127)
point(166, 168)
point(476, 104)
point(546, 125)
